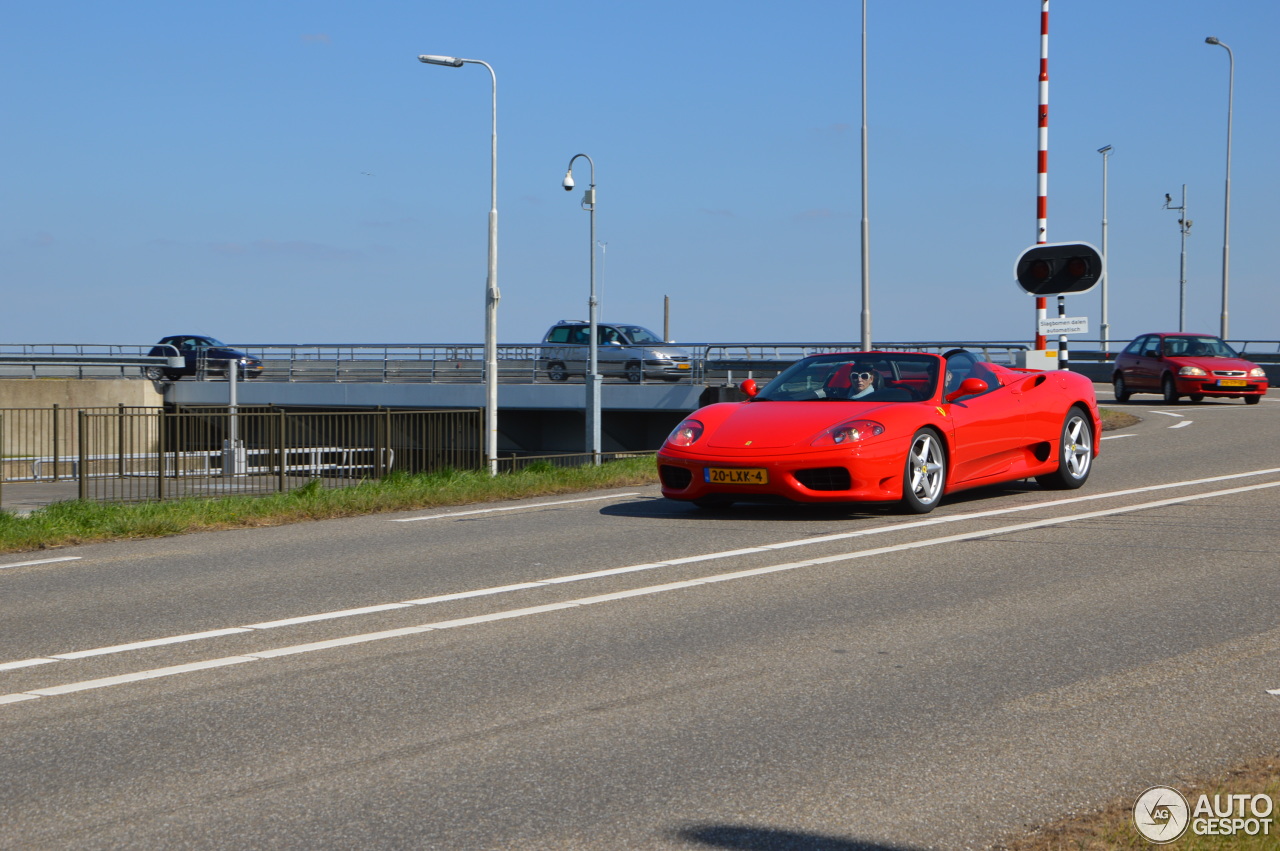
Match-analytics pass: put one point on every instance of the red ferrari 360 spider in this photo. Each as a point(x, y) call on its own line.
point(882, 427)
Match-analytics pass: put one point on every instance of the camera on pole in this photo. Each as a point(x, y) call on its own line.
point(1058, 268)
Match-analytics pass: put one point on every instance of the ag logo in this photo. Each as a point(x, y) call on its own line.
point(1161, 814)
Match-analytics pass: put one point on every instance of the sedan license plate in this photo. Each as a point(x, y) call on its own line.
point(1232, 382)
point(736, 476)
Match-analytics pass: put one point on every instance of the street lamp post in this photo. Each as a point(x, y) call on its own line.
point(593, 347)
point(1106, 326)
point(491, 284)
point(1226, 204)
point(866, 228)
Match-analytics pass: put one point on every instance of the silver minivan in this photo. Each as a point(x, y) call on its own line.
point(622, 350)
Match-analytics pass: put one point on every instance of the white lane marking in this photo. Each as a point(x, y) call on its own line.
point(25, 663)
point(345, 641)
point(155, 642)
point(1275, 691)
point(615, 571)
point(39, 561)
point(1182, 424)
point(508, 508)
point(1117, 436)
point(1168, 413)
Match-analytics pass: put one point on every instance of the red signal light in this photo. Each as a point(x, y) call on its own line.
point(1077, 267)
point(1041, 271)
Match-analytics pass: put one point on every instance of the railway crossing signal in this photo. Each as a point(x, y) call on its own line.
point(1058, 268)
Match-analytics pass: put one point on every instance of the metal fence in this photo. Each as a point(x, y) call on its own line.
point(517, 364)
point(139, 454)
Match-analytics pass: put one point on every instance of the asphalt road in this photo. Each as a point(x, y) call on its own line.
point(613, 671)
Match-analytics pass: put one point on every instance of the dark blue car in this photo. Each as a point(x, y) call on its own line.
point(199, 351)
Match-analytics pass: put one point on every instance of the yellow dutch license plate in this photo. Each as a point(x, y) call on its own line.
point(1231, 382)
point(682, 366)
point(736, 476)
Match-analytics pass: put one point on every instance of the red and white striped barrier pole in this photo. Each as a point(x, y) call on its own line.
point(1042, 181)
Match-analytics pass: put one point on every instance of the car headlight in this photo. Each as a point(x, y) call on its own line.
point(1257, 372)
point(849, 432)
point(1192, 370)
point(685, 433)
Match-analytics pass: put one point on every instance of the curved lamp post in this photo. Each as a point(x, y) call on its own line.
point(1226, 204)
point(491, 284)
point(593, 347)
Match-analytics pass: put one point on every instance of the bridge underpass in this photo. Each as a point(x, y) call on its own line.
point(532, 418)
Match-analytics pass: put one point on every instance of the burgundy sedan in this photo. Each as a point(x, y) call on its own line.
point(1192, 365)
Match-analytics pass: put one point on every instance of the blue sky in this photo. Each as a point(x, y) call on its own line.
point(283, 171)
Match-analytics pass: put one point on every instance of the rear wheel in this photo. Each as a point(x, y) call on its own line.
point(1170, 390)
point(1075, 454)
point(925, 473)
point(1121, 389)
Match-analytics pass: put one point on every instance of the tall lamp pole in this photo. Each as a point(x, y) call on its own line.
point(593, 371)
point(1226, 204)
point(1106, 326)
point(866, 228)
point(491, 284)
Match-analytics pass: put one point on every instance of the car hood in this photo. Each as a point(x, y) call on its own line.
point(1211, 364)
point(775, 425)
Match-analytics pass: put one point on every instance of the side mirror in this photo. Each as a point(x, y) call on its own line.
point(968, 387)
point(749, 387)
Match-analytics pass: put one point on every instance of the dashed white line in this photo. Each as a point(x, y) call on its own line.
point(1182, 424)
point(84, 685)
point(39, 561)
point(1168, 413)
point(508, 508)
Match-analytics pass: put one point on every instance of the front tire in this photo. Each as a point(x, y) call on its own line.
point(1075, 454)
point(635, 373)
point(1170, 390)
point(1252, 400)
point(154, 373)
point(1121, 389)
point(925, 473)
point(556, 372)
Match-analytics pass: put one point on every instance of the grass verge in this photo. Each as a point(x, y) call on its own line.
point(1112, 828)
point(75, 522)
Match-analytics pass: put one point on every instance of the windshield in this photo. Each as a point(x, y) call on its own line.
point(1204, 347)
point(638, 334)
point(859, 376)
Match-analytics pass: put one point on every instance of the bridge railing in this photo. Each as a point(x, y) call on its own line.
point(463, 363)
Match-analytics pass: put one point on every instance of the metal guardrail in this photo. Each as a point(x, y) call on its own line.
point(517, 364)
point(129, 360)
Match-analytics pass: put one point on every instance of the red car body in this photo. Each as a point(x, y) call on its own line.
point(933, 425)
point(1192, 365)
